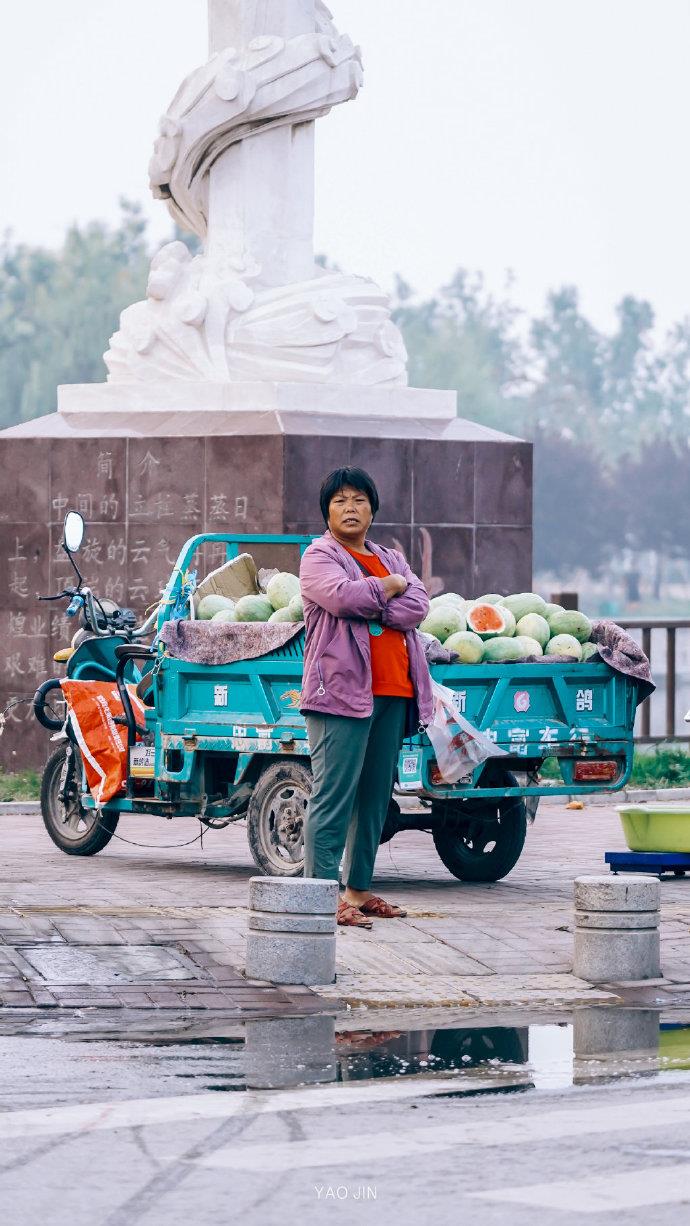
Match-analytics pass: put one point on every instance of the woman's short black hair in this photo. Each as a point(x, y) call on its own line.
point(354, 477)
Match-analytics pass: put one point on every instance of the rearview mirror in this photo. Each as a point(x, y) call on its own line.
point(73, 531)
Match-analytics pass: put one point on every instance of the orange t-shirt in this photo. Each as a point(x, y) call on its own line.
point(390, 665)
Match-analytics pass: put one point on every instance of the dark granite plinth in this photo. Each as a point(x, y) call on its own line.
point(455, 497)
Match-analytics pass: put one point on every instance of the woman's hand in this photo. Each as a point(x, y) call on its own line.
point(394, 585)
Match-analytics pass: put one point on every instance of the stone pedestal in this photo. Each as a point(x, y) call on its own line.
point(149, 467)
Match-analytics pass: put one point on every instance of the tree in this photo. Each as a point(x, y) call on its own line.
point(674, 378)
point(610, 392)
point(651, 493)
point(466, 340)
point(568, 352)
point(59, 310)
point(608, 413)
point(577, 522)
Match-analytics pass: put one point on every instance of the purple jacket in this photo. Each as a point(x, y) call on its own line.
point(339, 601)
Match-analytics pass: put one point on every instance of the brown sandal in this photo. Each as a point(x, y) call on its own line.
point(382, 909)
point(351, 917)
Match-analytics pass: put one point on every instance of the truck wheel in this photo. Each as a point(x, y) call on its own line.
point(75, 830)
point(390, 826)
point(486, 837)
point(275, 818)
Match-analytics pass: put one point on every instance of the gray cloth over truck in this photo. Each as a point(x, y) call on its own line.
point(225, 642)
point(203, 642)
point(622, 653)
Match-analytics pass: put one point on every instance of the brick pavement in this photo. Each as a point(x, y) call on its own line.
point(133, 900)
point(178, 918)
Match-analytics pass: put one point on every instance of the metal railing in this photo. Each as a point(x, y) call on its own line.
point(674, 729)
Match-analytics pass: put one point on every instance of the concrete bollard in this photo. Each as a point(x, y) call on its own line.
point(617, 928)
point(292, 928)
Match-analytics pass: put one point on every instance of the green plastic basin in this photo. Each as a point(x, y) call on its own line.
point(656, 826)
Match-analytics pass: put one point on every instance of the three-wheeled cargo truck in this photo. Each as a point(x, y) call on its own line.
point(224, 743)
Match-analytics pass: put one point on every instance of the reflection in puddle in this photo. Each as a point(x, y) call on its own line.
point(614, 1043)
point(674, 1045)
point(600, 1044)
point(596, 1044)
point(287, 1052)
point(365, 1054)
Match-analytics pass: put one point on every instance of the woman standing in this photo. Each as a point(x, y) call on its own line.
point(365, 680)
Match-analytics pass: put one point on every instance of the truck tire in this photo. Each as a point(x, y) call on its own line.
point(75, 830)
point(484, 838)
point(276, 815)
point(391, 825)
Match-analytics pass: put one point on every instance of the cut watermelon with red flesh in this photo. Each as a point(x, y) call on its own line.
point(486, 620)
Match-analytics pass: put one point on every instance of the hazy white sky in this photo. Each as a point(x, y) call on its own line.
point(544, 136)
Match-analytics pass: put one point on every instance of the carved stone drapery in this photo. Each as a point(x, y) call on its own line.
point(197, 324)
point(255, 305)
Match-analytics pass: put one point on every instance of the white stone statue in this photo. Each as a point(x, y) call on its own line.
point(234, 162)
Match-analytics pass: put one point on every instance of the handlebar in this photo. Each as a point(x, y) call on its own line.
point(91, 614)
point(85, 599)
point(147, 625)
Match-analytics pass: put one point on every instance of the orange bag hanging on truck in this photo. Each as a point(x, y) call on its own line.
point(103, 743)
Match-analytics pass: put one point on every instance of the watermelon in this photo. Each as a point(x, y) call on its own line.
point(552, 608)
point(296, 609)
point(210, 605)
point(224, 615)
point(528, 645)
point(448, 598)
point(281, 589)
point(522, 603)
point(488, 621)
point(503, 651)
point(490, 598)
point(571, 622)
point(535, 627)
point(467, 646)
point(564, 645)
point(589, 650)
point(253, 609)
point(444, 620)
point(509, 620)
point(280, 615)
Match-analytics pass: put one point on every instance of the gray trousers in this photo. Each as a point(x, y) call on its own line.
point(353, 763)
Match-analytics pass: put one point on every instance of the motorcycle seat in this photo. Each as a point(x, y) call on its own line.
point(133, 651)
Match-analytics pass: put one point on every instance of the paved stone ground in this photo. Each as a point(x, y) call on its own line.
point(508, 943)
point(132, 928)
point(139, 928)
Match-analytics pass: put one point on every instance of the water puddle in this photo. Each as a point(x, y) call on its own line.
point(591, 1046)
point(595, 1045)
